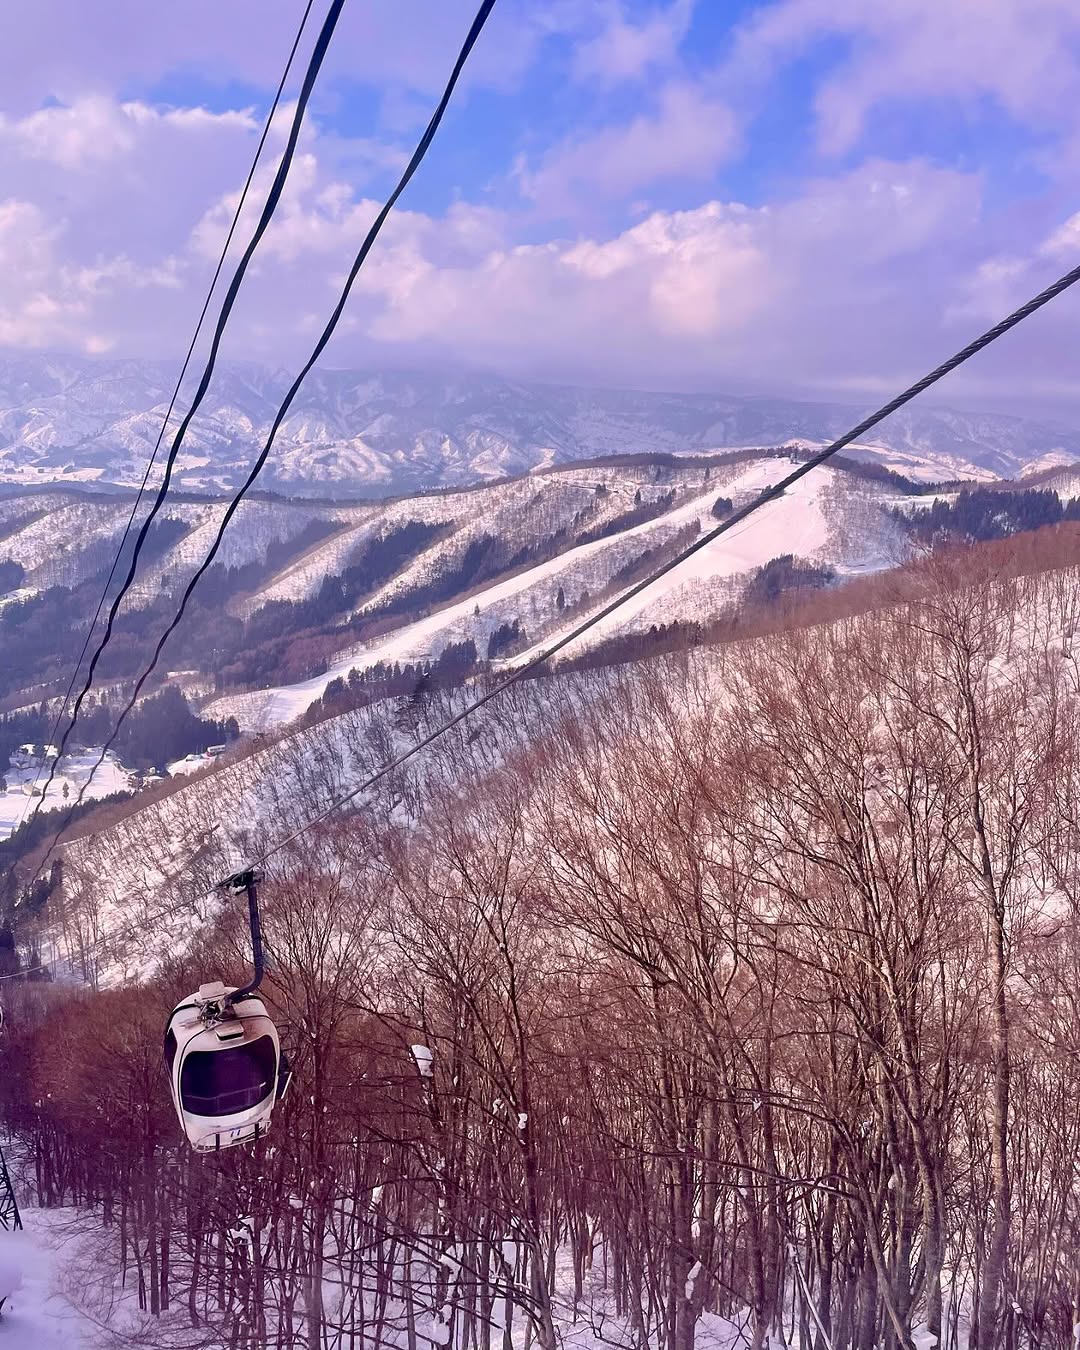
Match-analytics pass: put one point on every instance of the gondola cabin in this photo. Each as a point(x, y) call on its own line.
point(225, 1067)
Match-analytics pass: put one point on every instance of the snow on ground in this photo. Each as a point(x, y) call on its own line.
point(923, 468)
point(256, 523)
point(530, 509)
point(33, 474)
point(800, 522)
point(12, 597)
point(1065, 484)
point(16, 511)
point(919, 467)
point(1053, 459)
point(59, 1253)
point(503, 509)
point(45, 545)
point(525, 508)
point(415, 641)
point(189, 764)
point(924, 501)
point(73, 772)
point(37, 1315)
point(303, 577)
point(795, 523)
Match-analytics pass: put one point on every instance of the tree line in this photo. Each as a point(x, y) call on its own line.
point(988, 513)
point(749, 979)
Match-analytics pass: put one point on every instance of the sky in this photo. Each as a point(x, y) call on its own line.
point(815, 198)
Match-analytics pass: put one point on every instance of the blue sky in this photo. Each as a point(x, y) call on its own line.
point(813, 197)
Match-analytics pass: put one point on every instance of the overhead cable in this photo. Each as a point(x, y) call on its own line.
point(365, 248)
point(168, 416)
point(736, 517)
point(274, 196)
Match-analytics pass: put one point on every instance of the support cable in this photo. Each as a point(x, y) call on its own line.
point(736, 517)
point(169, 411)
point(274, 196)
point(365, 248)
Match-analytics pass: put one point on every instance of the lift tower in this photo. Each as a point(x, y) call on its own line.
point(9, 1206)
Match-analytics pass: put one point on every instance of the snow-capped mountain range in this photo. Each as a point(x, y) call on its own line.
point(356, 433)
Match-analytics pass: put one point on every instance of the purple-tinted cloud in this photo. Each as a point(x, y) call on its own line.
point(1024, 55)
point(685, 134)
point(846, 280)
point(66, 49)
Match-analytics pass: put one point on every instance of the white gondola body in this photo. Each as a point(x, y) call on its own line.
point(223, 1072)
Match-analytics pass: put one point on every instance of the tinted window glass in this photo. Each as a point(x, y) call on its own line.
point(170, 1048)
point(222, 1082)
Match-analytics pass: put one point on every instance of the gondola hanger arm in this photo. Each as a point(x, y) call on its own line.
point(247, 882)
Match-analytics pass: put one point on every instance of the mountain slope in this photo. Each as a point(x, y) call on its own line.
point(831, 518)
point(170, 851)
point(305, 591)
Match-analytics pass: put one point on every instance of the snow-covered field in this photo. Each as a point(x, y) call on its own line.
point(37, 1314)
point(63, 1298)
point(16, 804)
point(61, 1291)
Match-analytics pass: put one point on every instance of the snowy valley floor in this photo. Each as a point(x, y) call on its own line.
point(38, 1316)
point(61, 1271)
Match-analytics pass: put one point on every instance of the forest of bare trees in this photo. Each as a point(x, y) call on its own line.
point(741, 1006)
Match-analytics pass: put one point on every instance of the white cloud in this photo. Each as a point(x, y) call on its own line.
point(848, 282)
point(78, 137)
point(47, 300)
point(838, 280)
point(1064, 242)
point(1002, 282)
point(623, 50)
point(123, 177)
point(688, 135)
point(32, 309)
point(993, 289)
point(1021, 54)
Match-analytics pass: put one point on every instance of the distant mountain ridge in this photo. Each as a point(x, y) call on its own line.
point(355, 433)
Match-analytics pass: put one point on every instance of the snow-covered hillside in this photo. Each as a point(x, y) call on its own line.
point(62, 537)
point(559, 943)
point(1065, 482)
point(830, 517)
point(79, 420)
point(35, 1266)
point(537, 553)
point(21, 786)
point(163, 859)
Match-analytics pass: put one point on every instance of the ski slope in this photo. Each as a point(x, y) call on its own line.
point(806, 521)
point(795, 523)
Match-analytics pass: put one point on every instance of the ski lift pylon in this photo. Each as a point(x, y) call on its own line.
point(222, 1052)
